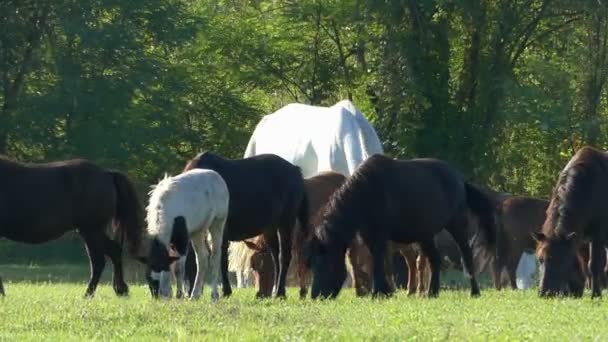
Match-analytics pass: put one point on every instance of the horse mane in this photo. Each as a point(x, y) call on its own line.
point(575, 183)
point(157, 222)
point(347, 205)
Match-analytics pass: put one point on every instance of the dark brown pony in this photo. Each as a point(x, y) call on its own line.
point(41, 202)
point(401, 201)
point(267, 196)
point(518, 218)
point(577, 214)
point(318, 189)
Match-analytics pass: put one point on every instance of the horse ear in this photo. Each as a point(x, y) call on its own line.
point(539, 236)
point(252, 245)
point(571, 236)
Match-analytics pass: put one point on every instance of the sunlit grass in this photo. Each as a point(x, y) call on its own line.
point(52, 310)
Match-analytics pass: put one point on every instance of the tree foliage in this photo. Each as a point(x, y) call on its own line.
point(505, 89)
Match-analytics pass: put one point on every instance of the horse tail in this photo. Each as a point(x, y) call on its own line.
point(129, 213)
point(484, 207)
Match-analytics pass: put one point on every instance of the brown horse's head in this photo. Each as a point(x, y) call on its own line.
point(326, 261)
point(262, 267)
point(561, 272)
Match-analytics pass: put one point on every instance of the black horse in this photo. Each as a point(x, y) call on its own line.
point(402, 201)
point(41, 202)
point(577, 214)
point(267, 196)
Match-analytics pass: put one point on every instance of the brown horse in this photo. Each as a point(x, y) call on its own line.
point(41, 202)
point(267, 196)
point(517, 219)
point(401, 201)
point(318, 189)
point(577, 214)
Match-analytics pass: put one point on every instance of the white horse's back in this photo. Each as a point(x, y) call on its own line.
point(199, 195)
point(317, 139)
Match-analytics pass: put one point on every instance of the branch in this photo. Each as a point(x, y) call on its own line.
point(540, 37)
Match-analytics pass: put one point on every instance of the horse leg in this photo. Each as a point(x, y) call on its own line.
point(512, 271)
point(360, 277)
point(422, 274)
point(226, 290)
point(114, 252)
point(432, 254)
point(410, 259)
point(272, 242)
point(191, 268)
point(216, 232)
point(389, 267)
point(285, 240)
point(1, 288)
point(94, 243)
point(199, 241)
point(597, 262)
point(303, 278)
point(457, 230)
point(377, 247)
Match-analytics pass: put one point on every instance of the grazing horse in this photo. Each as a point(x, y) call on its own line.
point(267, 196)
point(401, 201)
point(577, 214)
point(318, 189)
point(41, 202)
point(517, 219)
point(192, 206)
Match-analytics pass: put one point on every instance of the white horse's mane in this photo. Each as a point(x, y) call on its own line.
point(154, 213)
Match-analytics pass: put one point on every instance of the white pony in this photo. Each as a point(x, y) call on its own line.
point(317, 139)
point(190, 206)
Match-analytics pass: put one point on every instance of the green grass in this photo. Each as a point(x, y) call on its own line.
point(38, 309)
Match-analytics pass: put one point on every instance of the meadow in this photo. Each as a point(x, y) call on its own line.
point(46, 303)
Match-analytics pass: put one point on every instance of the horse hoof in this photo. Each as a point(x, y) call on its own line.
point(121, 291)
point(215, 297)
point(260, 295)
point(226, 294)
point(475, 294)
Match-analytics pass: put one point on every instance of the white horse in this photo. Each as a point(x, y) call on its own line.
point(317, 139)
point(190, 206)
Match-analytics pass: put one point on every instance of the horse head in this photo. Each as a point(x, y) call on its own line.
point(561, 272)
point(325, 258)
point(158, 271)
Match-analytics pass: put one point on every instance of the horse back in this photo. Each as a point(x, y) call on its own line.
point(53, 197)
point(578, 201)
point(520, 216)
point(264, 190)
point(422, 194)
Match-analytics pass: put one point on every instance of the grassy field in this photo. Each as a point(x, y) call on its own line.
point(39, 307)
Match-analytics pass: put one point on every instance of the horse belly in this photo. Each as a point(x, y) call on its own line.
point(33, 234)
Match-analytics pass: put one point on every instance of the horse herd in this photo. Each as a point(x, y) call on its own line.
point(315, 191)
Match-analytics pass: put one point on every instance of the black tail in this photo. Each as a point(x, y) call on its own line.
point(128, 219)
point(484, 207)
